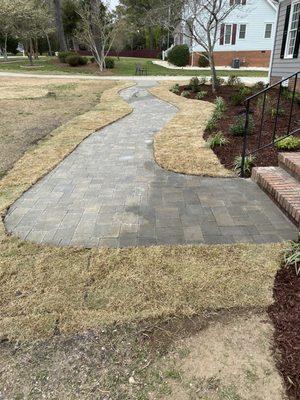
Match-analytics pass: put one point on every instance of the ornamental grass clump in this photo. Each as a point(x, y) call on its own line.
point(200, 95)
point(175, 89)
point(217, 140)
point(292, 257)
point(186, 93)
point(217, 114)
point(248, 164)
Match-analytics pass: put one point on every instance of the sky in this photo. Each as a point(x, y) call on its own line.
point(114, 3)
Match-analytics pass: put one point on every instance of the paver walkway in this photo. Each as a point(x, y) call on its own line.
point(110, 192)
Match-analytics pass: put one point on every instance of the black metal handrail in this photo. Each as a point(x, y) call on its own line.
point(289, 132)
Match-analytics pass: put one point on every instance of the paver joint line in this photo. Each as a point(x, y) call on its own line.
point(110, 193)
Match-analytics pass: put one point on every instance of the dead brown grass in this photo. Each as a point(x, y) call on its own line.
point(44, 290)
point(31, 108)
point(180, 146)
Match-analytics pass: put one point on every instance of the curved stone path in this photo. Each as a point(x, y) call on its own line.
point(110, 192)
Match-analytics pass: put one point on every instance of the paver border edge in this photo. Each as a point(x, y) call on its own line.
point(180, 146)
point(54, 148)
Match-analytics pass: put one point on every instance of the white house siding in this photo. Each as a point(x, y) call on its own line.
point(255, 14)
point(282, 67)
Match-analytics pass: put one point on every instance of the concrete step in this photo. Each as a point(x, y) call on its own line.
point(291, 163)
point(283, 189)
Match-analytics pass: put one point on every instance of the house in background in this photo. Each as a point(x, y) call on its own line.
point(285, 58)
point(247, 34)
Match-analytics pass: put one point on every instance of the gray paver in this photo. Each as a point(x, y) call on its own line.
point(110, 193)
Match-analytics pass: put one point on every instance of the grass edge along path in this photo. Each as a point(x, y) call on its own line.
point(180, 146)
point(49, 152)
point(47, 291)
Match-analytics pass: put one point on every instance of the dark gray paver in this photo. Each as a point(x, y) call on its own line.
point(110, 192)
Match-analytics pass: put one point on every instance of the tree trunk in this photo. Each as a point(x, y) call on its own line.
point(5, 47)
point(49, 44)
point(151, 38)
point(36, 49)
point(95, 10)
point(59, 26)
point(30, 54)
point(214, 79)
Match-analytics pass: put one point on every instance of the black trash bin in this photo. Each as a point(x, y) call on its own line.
point(236, 63)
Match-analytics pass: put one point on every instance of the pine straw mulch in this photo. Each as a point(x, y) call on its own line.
point(180, 146)
point(285, 315)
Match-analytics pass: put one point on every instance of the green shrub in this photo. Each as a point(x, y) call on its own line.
point(280, 112)
point(179, 55)
point(63, 55)
point(200, 95)
point(235, 81)
point(219, 82)
point(109, 63)
point(288, 143)
point(217, 140)
point(186, 93)
point(240, 96)
point(175, 89)
point(75, 61)
point(194, 85)
point(258, 87)
point(92, 60)
point(203, 61)
point(238, 128)
point(249, 163)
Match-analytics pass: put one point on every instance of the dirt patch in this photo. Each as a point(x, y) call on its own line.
point(32, 108)
point(228, 152)
point(180, 146)
point(215, 356)
point(231, 359)
point(285, 315)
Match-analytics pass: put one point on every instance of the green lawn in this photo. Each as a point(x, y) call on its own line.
point(125, 66)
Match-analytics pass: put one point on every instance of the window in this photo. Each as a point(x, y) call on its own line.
point(268, 31)
point(228, 32)
point(242, 33)
point(234, 2)
point(293, 28)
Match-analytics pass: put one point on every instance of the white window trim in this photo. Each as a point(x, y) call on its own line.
point(231, 30)
point(289, 56)
point(268, 23)
point(242, 23)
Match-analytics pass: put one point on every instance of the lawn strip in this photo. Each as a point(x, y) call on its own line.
point(180, 146)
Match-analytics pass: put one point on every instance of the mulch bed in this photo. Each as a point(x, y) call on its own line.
point(266, 157)
point(285, 315)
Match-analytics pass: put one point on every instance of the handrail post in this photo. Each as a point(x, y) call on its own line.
point(292, 103)
point(245, 138)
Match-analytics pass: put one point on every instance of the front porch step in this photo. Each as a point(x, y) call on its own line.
point(282, 188)
point(291, 163)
